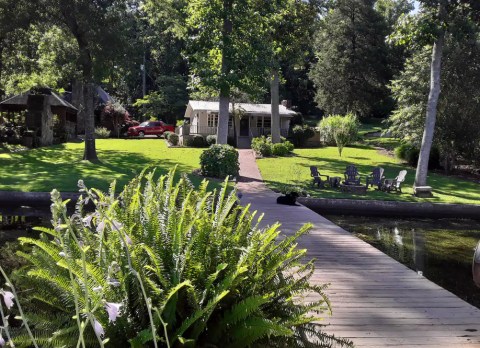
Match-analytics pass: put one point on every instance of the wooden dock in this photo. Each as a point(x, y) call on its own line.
point(377, 301)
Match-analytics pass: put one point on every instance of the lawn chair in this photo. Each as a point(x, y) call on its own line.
point(351, 175)
point(376, 177)
point(394, 184)
point(317, 177)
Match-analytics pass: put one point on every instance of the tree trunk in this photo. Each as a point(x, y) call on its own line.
point(77, 101)
point(90, 153)
point(435, 72)
point(223, 115)
point(275, 101)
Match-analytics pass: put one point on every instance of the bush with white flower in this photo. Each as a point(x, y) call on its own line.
point(162, 264)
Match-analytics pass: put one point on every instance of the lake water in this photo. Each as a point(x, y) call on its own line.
point(441, 250)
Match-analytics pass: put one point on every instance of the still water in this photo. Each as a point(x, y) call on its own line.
point(441, 250)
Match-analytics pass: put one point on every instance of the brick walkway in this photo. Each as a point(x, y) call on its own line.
point(376, 301)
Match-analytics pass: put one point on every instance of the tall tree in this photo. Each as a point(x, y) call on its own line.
point(457, 126)
point(224, 50)
point(290, 27)
point(352, 70)
point(92, 24)
point(431, 115)
point(431, 26)
point(15, 16)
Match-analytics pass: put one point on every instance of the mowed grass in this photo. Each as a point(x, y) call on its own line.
point(61, 166)
point(294, 170)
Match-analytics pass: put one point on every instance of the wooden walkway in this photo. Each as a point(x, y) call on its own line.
point(377, 301)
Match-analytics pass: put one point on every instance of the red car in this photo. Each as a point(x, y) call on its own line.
point(150, 128)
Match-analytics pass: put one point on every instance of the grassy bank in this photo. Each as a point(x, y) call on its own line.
point(61, 166)
point(295, 170)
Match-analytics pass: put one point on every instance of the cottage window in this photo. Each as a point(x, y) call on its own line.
point(212, 119)
point(264, 122)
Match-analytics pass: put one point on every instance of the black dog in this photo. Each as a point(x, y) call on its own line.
point(288, 199)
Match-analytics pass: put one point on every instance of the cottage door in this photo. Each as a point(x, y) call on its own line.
point(244, 127)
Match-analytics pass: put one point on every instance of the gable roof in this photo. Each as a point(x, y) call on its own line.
point(253, 109)
point(19, 102)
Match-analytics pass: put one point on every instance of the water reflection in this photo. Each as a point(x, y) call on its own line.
point(13, 226)
point(441, 250)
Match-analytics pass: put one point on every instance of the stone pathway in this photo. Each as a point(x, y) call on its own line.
point(377, 301)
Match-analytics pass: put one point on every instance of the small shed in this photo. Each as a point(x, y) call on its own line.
point(41, 105)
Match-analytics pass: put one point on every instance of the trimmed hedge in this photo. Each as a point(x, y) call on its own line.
point(211, 139)
point(196, 140)
point(166, 134)
point(300, 134)
point(410, 153)
point(220, 161)
point(173, 139)
point(265, 148)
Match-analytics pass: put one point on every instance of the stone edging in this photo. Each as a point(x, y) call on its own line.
point(391, 208)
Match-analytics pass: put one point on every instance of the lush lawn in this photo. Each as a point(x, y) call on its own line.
point(60, 166)
point(295, 170)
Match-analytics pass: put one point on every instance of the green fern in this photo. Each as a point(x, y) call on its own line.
point(211, 275)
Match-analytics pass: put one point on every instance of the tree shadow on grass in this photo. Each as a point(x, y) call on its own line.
point(59, 167)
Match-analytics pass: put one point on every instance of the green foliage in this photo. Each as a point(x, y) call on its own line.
point(173, 138)
point(301, 133)
point(410, 153)
point(262, 146)
point(352, 68)
point(166, 134)
point(211, 139)
point(195, 140)
point(457, 130)
point(346, 126)
point(280, 149)
point(167, 102)
point(226, 46)
point(102, 133)
point(220, 161)
point(187, 266)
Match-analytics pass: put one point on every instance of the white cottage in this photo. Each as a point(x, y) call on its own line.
point(256, 120)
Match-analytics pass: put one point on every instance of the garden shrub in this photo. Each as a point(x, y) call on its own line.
point(173, 138)
point(102, 133)
point(211, 139)
point(410, 154)
point(301, 133)
point(220, 161)
point(279, 149)
point(262, 146)
point(182, 264)
point(348, 123)
point(166, 134)
point(196, 140)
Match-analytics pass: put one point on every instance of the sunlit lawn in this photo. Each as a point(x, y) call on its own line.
point(61, 166)
point(295, 170)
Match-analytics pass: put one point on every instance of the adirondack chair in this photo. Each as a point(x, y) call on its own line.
point(394, 184)
point(317, 177)
point(351, 175)
point(376, 177)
